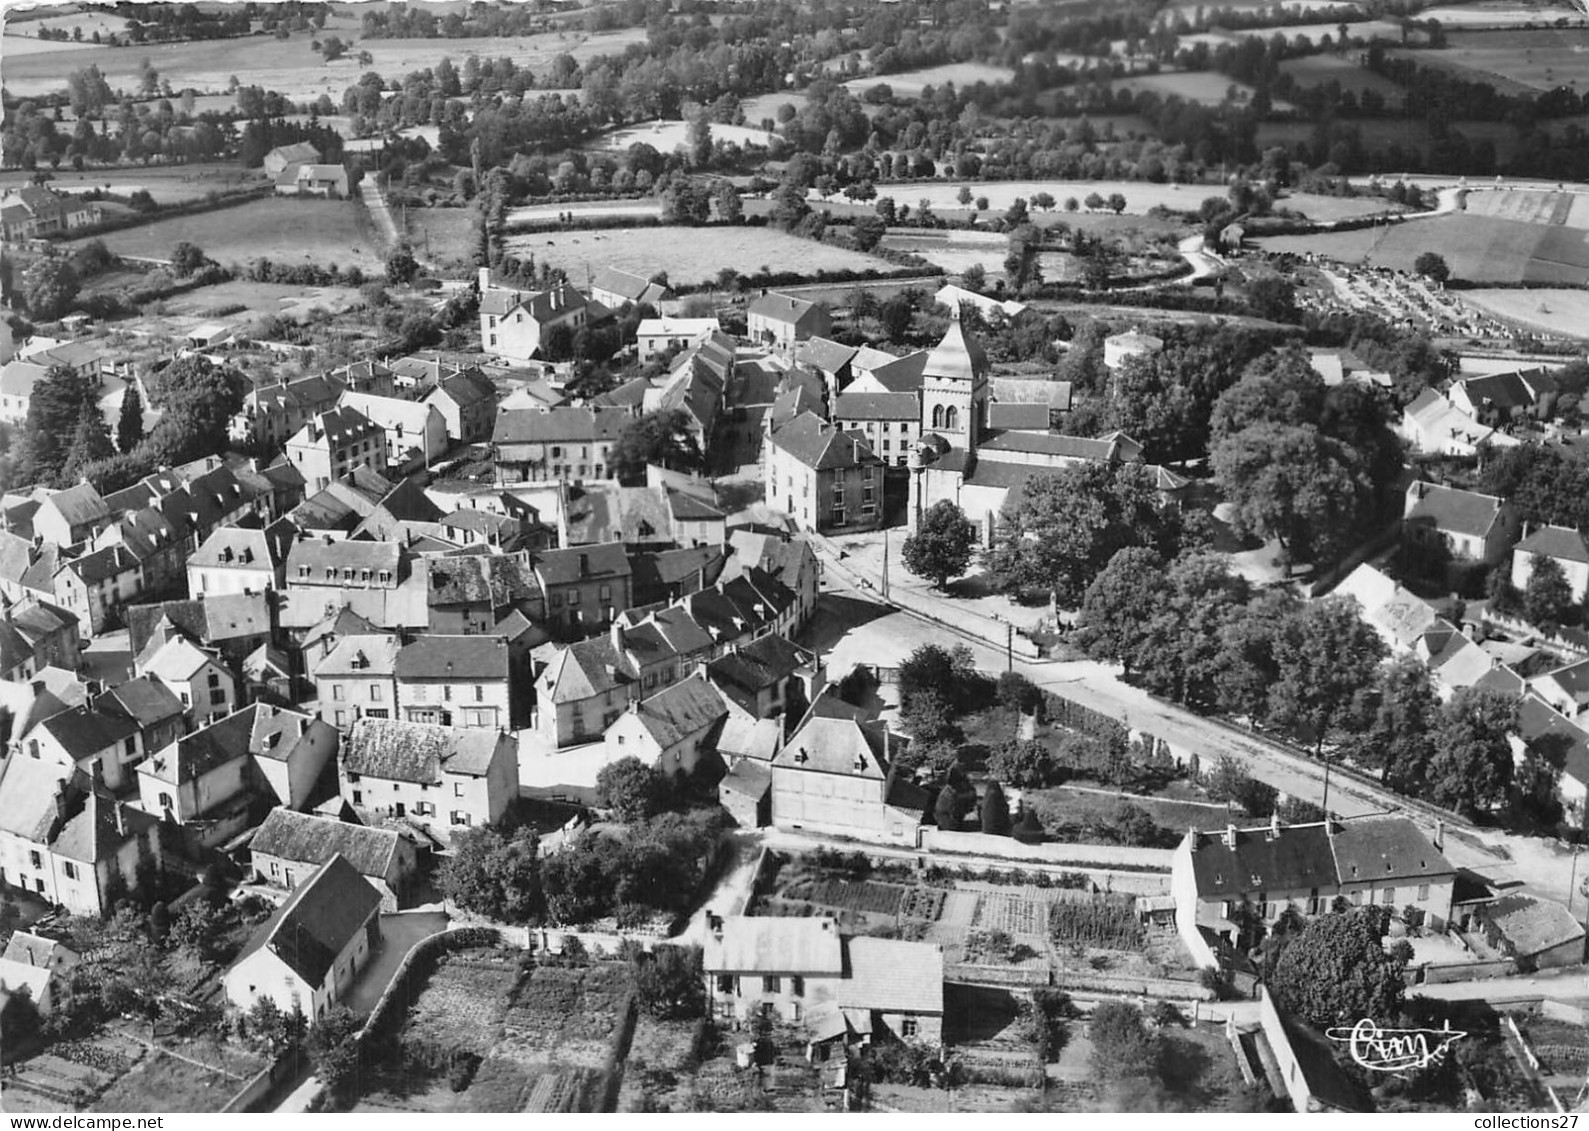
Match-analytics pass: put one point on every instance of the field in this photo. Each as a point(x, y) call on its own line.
point(289, 66)
point(1363, 29)
point(665, 137)
point(1502, 12)
point(90, 21)
point(1141, 196)
point(1514, 61)
point(691, 255)
point(1553, 311)
point(910, 84)
point(1507, 236)
point(955, 251)
point(1205, 87)
point(532, 213)
point(174, 184)
point(278, 228)
point(1319, 69)
point(161, 1083)
point(766, 105)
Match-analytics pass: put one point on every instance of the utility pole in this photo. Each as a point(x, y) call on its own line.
point(1009, 647)
point(885, 563)
point(1326, 805)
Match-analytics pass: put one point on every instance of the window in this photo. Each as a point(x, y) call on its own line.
point(375, 693)
point(797, 986)
point(353, 777)
point(573, 597)
point(1423, 893)
point(907, 1027)
point(70, 869)
point(725, 983)
point(771, 985)
point(479, 693)
point(336, 693)
point(342, 718)
point(459, 817)
point(215, 679)
point(218, 697)
point(33, 747)
point(794, 1011)
point(446, 694)
point(1357, 899)
point(1390, 897)
point(358, 797)
point(35, 859)
point(457, 789)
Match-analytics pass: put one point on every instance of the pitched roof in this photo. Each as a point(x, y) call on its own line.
point(587, 668)
point(417, 752)
point(1026, 390)
point(102, 565)
point(338, 554)
point(177, 661)
point(83, 732)
point(98, 830)
point(878, 406)
point(1298, 856)
point(565, 567)
point(1504, 391)
point(1042, 443)
point(234, 547)
point(631, 287)
point(311, 839)
point(144, 700)
point(36, 950)
point(763, 663)
point(675, 713)
point(210, 620)
point(780, 308)
point(824, 354)
point(836, 746)
point(1452, 509)
point(336, 426)
point(957, 356)
point(482, 658)
point(296, 151)
point(745, 737)
point(360, 655)
point(821, 446)
point(317, 921)
point(1023, 417)
point(893, 976)
point(1532, 925)
point(559, 425)
point(79, 506)
point(775, 945)
point(1385, 848)
point(1559, 542)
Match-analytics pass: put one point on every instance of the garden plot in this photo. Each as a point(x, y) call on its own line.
point(462, 1006)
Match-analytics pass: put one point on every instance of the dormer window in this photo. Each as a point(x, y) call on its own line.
point(801, 757)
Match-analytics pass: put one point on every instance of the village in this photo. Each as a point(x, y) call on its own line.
point(1004, 657)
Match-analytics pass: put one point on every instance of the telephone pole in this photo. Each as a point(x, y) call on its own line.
point(885, 563)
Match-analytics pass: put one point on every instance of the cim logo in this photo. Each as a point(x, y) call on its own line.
point(1395, 1050)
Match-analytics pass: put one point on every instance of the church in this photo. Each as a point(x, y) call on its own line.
point(962, 457)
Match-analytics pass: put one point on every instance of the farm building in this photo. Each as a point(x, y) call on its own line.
point(330, 181)
point(290, 846)
point(616, 289)
point(954, 298)
point(1538, 933)
point(307, 955)
point(298, 153)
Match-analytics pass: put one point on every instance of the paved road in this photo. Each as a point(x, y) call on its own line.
point(875, 634)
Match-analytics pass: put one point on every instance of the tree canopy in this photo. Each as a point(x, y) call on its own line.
point(1336, 971)
point(662, 437)
point(942, 546)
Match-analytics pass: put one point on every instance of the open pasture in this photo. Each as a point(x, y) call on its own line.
point(288, 65)
point(766, 105)
point(1495, 13)
point(173, 184)
point(286, 229)
point(665, 137)
point(1316, 70)
point(262, 299)
point(89, 20)
point(1569, 209)
point(1477, 248)
point(1549, 310)
point(690, 255)
point(910, 84)
point(1314, 33)
point(1204, 87)
point(1516, 62)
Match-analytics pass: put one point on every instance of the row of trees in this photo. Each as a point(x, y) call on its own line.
point(1193, 632)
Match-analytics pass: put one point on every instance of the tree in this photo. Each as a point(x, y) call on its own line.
point(669, 982)
point(1115, 623)
point(401, 266)
point(1399, 739)
point(1122, 1046)
point(630, 788)
point(129, 425)
point(1017, 213)
point(1094, 202)
point(334, 1049)
point(49, 287)
point(663, 437)
point(1326, 660)
point(1063, 529)
point(196, 929)
point(1025, 763)
point(942, 546)
point(1337, 972)
point(946, 810)
point(1229, 781)
point(995, 810)
point(495, 875)
point(964, 195)
point(974, 277)
point(867, 232)
point(1432, 265)
point(1018, 693)
point(1471, 767)
point(186, 258)
point(90, 442)
point(1117, 203)
point(333, 48)
point(1547, 598)
point(55, 411)
point(931, 669)
point(730, 209)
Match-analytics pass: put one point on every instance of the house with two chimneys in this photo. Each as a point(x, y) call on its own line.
point(532, 445)
point(240, 559)
point(103, 734)
point(333, 444)
point(515, 324)
point(271, 413)
point(1230, 887)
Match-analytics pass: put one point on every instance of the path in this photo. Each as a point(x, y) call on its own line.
point(731, 892)
point(298, 1100)
point(375, 201)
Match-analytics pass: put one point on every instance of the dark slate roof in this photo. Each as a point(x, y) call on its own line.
point(83, 732)
point(311, 839)
point(559, 425)
point(1542, 725)
point(669, 567)
point(318, 920)
point(101, 565)
point(877, 406)
point(454, 658)
point(631, 394)
point(1499, 390)
point(1299, 856)
point(783, 308)
point(957, 356)
point(1559, 542)
point(194, 755)
point(632, 287)
point(80, 505)
point(821, 446)
point(1022, 417)
point(340, 554)
point(1385, 848)
point(416, 752)
point(1448, 508)
point(212, 620)
point(824, 354)
point(675, 713)
point(144, 700)
point(905, 375)
point(760, 664)
point(1071, 447)
point(686, 506)
point(100, 828)
point(566, 567)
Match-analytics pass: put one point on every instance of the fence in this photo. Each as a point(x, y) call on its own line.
point(1436, 973)
point(977, 974)
point(400, 989)
point(257, 1087)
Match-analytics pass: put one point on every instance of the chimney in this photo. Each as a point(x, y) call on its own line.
point(1274, 824)
point(485, 278)
point(60, 799)
point(1230, 836)
point(121, 818)
point(1192, 837)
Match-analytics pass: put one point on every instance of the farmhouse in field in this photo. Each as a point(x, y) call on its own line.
point(330, 181)
point(307, 955)
point(802, 971)
point(298, 153)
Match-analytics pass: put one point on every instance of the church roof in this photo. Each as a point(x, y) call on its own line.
point(957, 356)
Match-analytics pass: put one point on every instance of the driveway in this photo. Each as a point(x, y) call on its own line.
point(399, 932)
